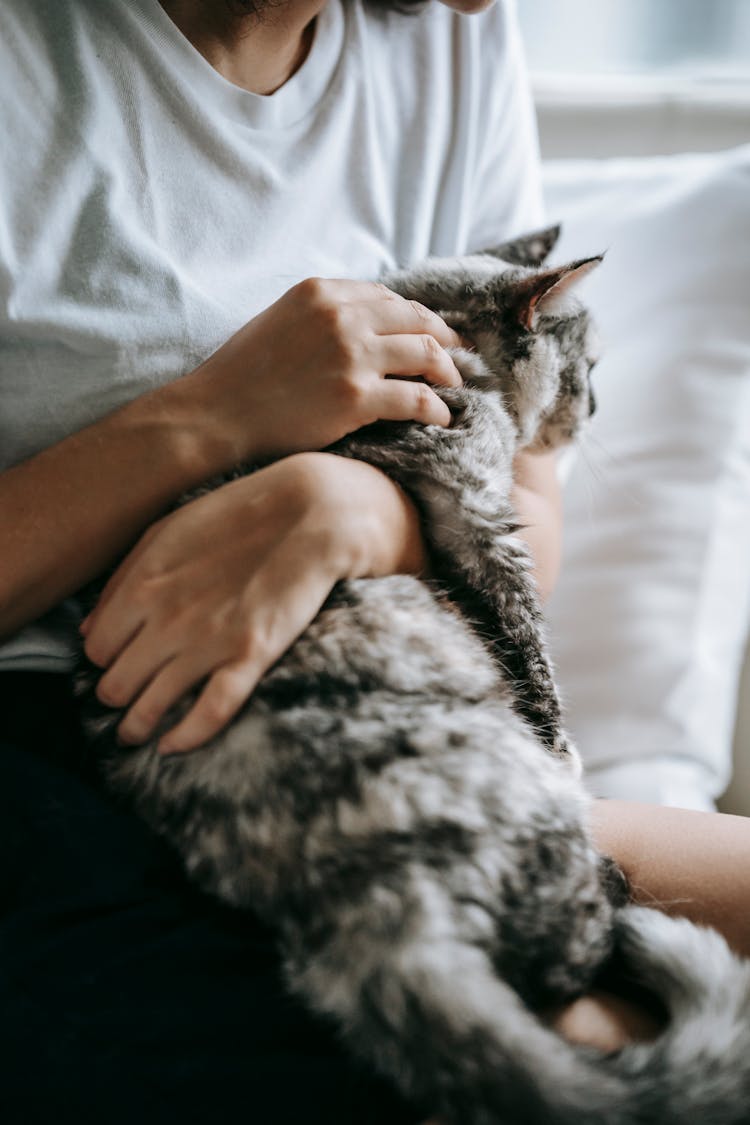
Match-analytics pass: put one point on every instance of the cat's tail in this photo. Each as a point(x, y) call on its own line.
point(698, 1070)
point(459, 1041)
point(456, 1039)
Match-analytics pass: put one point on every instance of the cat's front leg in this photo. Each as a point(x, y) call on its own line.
point(441, 467)
point(471, 528)
point(488, 570)
point(461, 480)
point(497, 593)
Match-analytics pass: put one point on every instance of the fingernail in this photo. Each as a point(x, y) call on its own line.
point(132, 733)
point(83, 628)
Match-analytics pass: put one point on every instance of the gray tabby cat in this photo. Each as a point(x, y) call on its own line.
point(398, 797)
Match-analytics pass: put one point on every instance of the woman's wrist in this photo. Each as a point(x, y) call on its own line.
point(218, 439)
point(77, 505)
point(400, 549)
point(375, 529)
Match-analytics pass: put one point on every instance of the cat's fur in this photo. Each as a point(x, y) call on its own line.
point(398, 797)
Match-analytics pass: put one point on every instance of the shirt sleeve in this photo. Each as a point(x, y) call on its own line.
point(507, 187)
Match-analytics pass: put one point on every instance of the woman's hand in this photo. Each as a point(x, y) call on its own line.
point(306, 371)
point(219, 589)
point(314, 366)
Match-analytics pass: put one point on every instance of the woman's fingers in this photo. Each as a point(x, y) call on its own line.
point(103, 643)
point(172, 680)
point(161, 665)
point(138, 663)
point(392, 317)
point(218, 703)
point(391, 314)
point(283, 599)
point(401, 400)
point(169, 685)
point(229, 685)
point(418, 355)
point(122, 605)
point(316, 356)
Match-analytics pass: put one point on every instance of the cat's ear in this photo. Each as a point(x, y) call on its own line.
point(529, 249)
point(546, 292)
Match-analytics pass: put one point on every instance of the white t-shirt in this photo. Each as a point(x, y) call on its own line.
point(149, 208)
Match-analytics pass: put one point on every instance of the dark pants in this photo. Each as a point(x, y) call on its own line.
point(126, 997)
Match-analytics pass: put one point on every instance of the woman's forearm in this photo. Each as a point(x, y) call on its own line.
point(696, 864)
point(297, 377)
point(688, 863)
point(538, 504)
point(69, 511)
point(397, 545)
point(74, 508)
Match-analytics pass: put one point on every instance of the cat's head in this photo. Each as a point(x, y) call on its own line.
point(534, 336)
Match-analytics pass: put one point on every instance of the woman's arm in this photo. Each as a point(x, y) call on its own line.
point(696, 864)
point(688, 863)
point(219, 589)
point(191, 602)
point(537, 500)
point(303, 373)
point(73, 508)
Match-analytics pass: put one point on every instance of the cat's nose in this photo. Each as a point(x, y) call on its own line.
point(592, 403)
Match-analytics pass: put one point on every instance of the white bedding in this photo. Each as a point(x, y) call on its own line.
point(650, 619)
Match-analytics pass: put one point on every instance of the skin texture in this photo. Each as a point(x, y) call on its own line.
point(538, 501)
point(690, 863)
point(304, 396)
point(258, 52)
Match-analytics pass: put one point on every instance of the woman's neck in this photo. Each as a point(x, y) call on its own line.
point(259, 52)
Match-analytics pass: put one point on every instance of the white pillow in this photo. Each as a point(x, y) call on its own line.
point(650, 617)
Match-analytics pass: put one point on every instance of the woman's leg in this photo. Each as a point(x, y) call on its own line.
point(125, 995)
point(694, 864)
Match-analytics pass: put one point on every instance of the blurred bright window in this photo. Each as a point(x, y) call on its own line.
point(705, 40)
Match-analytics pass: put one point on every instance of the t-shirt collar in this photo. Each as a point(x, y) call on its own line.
point(287, 105)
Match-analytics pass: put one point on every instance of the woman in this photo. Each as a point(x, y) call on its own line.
point(176, 178)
